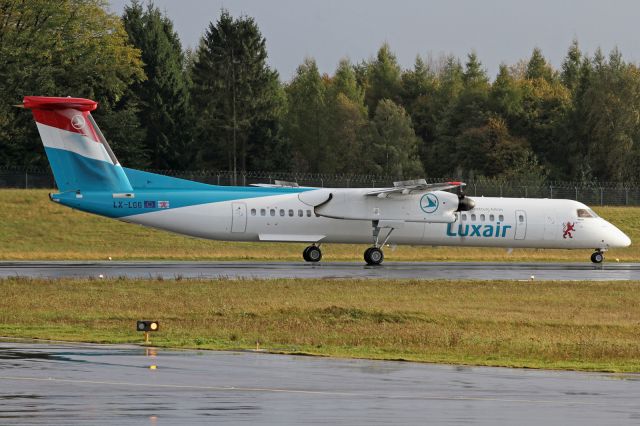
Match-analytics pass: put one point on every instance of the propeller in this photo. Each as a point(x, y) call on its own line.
point(464, 203)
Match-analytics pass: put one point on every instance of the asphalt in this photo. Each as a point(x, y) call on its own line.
point(63, 384)
point(422, 270)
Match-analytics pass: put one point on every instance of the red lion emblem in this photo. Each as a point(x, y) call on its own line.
point(568, 228)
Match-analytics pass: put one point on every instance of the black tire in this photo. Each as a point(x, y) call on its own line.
point(305, 254)
point(314, 254)
point(597, 257)
point(373, 256)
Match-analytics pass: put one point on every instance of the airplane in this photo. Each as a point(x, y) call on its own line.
point(90, 178)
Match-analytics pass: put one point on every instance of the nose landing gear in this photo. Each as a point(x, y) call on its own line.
point(598, 256)
point(312, 254)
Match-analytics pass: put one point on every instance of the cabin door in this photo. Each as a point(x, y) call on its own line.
point(239, 217)
point(521, 225)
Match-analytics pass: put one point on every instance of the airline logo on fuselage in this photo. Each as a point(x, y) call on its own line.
point(488, 230)
point(429, 203)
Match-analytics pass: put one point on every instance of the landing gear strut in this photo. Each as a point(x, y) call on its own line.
point(597, 257)
point(312, 254)
point(374, 255)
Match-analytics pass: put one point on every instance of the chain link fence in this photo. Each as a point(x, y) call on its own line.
point(591, 193)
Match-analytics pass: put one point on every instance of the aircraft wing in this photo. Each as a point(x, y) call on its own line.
point(413, 186)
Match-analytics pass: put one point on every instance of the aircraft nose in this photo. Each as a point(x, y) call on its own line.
point(617, 238)
point(623, 239)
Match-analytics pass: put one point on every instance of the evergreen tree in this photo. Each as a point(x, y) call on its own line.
point(305, 125)
point(571, 67)
point(163, 98)
point(383, 78)
point(394, 145)
point(538, 68)
point(345, 81)
point(233, 91)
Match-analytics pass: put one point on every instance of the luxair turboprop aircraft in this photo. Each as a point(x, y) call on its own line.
point(90, 178)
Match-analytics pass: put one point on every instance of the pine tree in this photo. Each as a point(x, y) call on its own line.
point(537, 67)
point(305, 125)
point(383, 78)
point(163, 98)
point(394, 144)
point(233, 91)
point(571, 67)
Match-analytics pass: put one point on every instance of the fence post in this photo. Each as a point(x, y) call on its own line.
point(576, 194)
point(26, 180)
point(601, 196)
point(475, 189)
point(550, 191)
point(626, 196)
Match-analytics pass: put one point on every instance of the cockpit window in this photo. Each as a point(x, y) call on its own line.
point(585, 213)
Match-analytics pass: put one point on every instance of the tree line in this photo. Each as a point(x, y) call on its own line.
point(221, 106)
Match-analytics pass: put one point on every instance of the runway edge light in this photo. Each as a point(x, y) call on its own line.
point(147, 326)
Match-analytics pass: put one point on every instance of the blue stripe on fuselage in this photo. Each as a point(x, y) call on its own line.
point(146, 201)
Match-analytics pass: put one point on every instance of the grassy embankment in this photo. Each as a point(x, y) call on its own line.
point(558, 325)
point(33, 228)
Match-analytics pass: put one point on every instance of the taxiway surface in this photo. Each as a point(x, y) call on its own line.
point(393, 270)
point(57, 384)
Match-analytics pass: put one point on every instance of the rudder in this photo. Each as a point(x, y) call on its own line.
point(80, 156)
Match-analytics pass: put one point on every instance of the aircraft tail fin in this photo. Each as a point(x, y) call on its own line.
point(80, 156)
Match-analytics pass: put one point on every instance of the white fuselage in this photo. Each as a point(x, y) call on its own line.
point(493, 222)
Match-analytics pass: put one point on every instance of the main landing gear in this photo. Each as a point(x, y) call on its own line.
point(598, 256)
point(374, 255)
point(312, 254)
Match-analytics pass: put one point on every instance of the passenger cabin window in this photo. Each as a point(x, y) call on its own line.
point(521, 218)
point(473, 217)
point(481, 218)
point(300, 213)
point(584, 213)
point(253, 212)
point(501, 218)
point(464, 217)
point(290, 213)
point(281, 212)
point(263, 212)
point(492, 218)
point(272, 212)
point(308, 213)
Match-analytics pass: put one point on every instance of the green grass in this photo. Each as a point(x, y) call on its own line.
point(33, 228)
point(557, 325)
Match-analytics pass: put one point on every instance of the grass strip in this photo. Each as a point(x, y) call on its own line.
point(593, 326)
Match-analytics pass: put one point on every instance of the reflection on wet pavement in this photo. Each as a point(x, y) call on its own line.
point(396, 270)
point(56, 384)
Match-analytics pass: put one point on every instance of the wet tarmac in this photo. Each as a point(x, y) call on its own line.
point(62, 384)
point(421, 270)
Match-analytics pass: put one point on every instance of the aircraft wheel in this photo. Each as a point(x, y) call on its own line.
point(597, 257)
point(373, 256)
point(312, 254)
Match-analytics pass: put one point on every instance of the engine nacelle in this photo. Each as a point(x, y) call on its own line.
point(354, 204)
